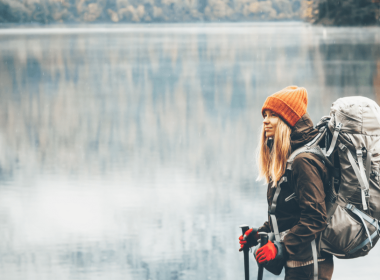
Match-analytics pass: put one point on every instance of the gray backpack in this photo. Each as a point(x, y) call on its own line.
point(349, 145)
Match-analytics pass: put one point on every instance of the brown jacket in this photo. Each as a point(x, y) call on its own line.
point(304, 215)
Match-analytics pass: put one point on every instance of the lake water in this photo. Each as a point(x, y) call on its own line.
point(127, 152)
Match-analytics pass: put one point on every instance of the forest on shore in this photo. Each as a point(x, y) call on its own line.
point(327, 12)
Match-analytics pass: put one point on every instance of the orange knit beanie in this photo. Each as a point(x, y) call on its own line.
point(289, 103)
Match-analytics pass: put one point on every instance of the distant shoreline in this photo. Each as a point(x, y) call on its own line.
point(145, 24)
point(186, 28)
point(162, 27)
point(115, 25)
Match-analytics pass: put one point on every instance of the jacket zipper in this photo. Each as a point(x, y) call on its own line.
point(293, 195)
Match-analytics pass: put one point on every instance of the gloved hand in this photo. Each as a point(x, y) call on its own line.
point(266, 253)
point(249, 238)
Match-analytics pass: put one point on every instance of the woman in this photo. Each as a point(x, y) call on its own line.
point(299, 210)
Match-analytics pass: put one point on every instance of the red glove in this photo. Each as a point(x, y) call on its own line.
point(266, 253)
point(250, 239)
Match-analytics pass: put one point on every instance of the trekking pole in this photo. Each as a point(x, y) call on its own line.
point(244, 228)
point(263, 241)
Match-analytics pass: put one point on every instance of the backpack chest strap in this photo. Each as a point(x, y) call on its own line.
point(272, 210)
point(277, 234)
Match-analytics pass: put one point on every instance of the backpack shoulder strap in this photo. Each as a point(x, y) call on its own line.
point(311, 147)
point(316, 150)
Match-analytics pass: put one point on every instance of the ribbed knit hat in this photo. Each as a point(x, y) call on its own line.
point(289, 103)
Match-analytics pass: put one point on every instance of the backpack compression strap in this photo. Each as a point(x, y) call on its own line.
point(365, 193)
point(337, 129)
point(368, 165)
point(359, 172)
point(370, 220)
point(315, 259)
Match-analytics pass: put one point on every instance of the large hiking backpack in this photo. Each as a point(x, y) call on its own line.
point(349, 145)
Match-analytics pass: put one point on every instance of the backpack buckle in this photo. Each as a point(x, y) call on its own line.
point(338, 127)
point(350, 206)
point(359, 153)
point(366, 193)
point(342, 147)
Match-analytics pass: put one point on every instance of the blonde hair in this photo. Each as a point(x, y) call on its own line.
point(272, 162)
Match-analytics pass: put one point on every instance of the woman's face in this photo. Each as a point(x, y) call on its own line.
point(270, 123)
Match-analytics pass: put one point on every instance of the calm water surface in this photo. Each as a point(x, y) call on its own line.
point(129, 153)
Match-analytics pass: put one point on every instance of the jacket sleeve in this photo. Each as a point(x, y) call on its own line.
point(308, 186)
point(264, 228)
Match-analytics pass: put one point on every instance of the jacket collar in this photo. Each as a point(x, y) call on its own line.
point(303, 132)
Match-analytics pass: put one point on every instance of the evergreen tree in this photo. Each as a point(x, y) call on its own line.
point(346, 12)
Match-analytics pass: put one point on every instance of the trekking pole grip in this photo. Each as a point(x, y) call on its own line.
point(263, 241)
point(244, 228)
point(263, 238)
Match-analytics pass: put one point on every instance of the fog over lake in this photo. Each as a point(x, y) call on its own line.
point(128, 152)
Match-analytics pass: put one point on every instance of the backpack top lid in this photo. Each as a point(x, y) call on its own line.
point(358, 114)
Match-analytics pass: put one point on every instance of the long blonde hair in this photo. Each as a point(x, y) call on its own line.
point(272, 162)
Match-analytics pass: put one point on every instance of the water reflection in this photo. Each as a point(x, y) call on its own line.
point(130, 155)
